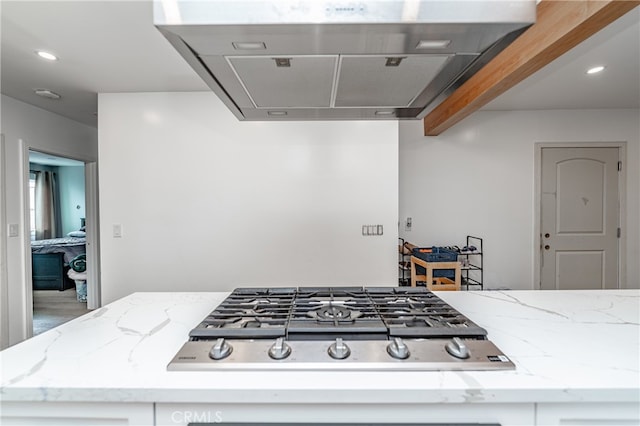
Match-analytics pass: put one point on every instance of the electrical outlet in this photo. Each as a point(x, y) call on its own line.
point(407, 224)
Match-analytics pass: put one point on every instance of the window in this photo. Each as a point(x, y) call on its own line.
point(32, 205)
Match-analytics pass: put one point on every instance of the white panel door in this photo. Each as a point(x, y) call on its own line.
point(580, 218)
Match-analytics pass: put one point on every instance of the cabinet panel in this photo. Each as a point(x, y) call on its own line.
point(305, 413)
point(71, 414)
point(592, 414)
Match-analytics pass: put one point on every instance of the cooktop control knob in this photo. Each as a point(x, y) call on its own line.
point(280, 349)
point(457, 348)
point(221, 349)
point(339, 349)
point(397, 349)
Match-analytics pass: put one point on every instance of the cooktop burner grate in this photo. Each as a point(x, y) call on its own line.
point(415, 312)
point(347, 312)
point(249, 313)
point(320, 313)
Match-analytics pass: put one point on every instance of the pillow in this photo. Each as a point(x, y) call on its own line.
point(77, 234)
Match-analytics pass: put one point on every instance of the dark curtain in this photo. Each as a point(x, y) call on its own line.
point(48, 221)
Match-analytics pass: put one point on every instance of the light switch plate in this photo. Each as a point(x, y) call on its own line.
point(14, 230)
point(117, 230)
point(370, 230)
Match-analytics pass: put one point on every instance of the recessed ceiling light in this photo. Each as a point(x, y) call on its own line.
point(595, 70)
point(277, 113)
point(46, 93)
point(388, 113)
point(46, 55)
point(282, 62)
point(433, 44)
point(393, 61)
point(249, 45)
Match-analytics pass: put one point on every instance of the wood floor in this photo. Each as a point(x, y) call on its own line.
point(52, 308)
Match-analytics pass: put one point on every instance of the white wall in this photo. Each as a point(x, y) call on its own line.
point(209, 203)
point(72, 197)
point(478, 178)
point(25, 126)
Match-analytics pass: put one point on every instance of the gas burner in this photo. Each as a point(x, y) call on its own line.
point(241, 322)
point(404, 300)
point(268, 301)
point(415, 322)
point(334, 313)
point(252, 324)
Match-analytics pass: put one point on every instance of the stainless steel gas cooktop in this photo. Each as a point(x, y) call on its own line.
point(337, 328)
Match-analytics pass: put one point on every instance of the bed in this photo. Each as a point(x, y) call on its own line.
point(50, 261)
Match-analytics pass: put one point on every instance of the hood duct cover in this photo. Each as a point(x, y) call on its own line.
point(338, 60)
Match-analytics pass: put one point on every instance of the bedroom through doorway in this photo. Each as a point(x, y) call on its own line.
point(57, 212)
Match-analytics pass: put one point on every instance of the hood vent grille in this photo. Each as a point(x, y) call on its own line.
point(369, 81)
point(382, 59)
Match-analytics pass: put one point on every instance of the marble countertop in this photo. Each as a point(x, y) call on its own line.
point(568, 346)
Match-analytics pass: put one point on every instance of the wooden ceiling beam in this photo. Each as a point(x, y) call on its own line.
point(560, 26)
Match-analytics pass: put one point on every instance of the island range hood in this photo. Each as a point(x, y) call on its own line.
point(338, 60)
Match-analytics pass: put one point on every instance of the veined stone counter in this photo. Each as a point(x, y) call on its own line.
point(568, 347)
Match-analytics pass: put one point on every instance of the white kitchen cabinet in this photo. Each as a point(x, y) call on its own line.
point(572, 350)
point(609, 414)
point(75, 413)
point(447, 413)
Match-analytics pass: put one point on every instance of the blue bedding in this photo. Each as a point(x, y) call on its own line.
point(70, 246)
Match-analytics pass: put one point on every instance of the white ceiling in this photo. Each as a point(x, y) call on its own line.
point(564, 83)
point(112, 46)
point(103, 47)
point(52, 160)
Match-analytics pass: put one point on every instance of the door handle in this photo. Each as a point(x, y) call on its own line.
point(547, 247)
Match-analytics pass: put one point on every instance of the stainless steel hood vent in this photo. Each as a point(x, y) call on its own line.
point(338, 60)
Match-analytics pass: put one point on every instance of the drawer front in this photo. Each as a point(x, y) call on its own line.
point(317, 414)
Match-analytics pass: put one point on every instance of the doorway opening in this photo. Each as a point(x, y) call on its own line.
point(57, 212)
